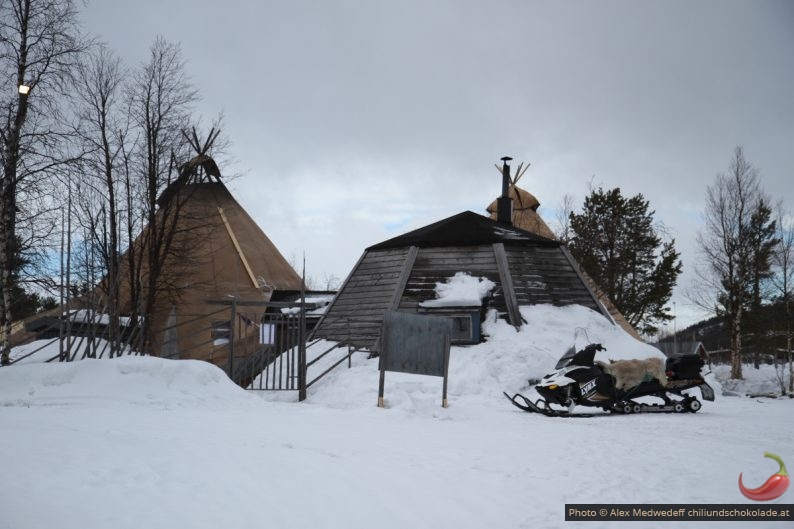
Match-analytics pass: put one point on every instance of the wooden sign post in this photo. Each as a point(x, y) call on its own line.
point(412, 343)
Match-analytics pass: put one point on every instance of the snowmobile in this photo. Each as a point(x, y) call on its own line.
point(581, 381)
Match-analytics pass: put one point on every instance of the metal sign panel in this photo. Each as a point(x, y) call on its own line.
point(411, 343)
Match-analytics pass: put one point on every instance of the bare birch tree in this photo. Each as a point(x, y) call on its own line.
point(563, 218)
point(40, 43)
point(734, 203)
point(104, 132)
point(160, 97)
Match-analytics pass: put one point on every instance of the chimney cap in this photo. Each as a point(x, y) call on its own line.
point(506, 158)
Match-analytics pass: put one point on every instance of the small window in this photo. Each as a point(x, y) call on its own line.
point(267, 334)
point(221, 330)
point(461, 330)
point(465, 323)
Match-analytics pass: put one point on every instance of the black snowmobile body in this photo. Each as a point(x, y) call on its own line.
point(580, 381)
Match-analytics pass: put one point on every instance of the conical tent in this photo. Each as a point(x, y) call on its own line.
point(177, 278)
point(525, 212)
point(223, 255)
point(402, 273)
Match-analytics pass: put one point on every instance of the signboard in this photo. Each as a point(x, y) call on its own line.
point(412, 343)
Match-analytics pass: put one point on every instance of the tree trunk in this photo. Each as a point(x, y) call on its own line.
point(8, 190)
point(788, 347)
point(8, 207)
point(790, 360)
point(7, 233)
point(736, 345)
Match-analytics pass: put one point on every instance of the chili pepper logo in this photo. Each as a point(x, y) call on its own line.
point(774, 487)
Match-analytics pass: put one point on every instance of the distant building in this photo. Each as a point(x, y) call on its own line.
point(671, 349)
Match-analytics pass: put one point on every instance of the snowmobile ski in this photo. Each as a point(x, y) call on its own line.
point(530, 407)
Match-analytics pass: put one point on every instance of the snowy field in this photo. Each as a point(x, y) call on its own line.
point(141, 442)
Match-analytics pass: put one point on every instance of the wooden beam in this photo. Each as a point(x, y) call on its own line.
point(405, 273)
point(341, 289)
point(239, 250)
point(578, 271)
point(513, 314)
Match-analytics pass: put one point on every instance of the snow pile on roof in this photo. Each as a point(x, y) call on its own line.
point(92, 316)
point(320, 301)
point(138, 380)
point(461, 290)
point(509, 234)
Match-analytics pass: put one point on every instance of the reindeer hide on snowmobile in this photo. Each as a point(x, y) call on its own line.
point(630, 373)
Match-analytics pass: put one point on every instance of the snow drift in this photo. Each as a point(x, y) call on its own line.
point(173, 443)
point(133, 379)
point(506, 361)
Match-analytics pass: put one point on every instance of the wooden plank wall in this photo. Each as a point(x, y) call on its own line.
point(539, 275)
point(544, 275)
point(364, 299)
point(437, 265)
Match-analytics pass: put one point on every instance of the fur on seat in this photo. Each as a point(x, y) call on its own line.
point(630, 373)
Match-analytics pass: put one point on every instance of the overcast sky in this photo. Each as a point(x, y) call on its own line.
point(355, 121)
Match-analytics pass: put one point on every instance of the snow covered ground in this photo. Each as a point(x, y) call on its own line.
point(139, 442)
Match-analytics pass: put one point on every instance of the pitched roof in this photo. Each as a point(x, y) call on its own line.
point(464, 229)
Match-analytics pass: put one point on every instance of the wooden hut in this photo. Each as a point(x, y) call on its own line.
point(401, 273)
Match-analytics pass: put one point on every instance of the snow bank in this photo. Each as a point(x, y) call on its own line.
point(110, 430)
point(35, 352)
point(132, 379)
point(761, 381)
point(461, 290)
point(40, 351)
point(506, 361)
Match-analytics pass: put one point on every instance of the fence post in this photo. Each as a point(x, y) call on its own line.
point(349, 346)
point(232, 321)
point(302, 353)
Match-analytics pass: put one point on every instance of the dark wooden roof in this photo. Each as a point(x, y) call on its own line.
point(401, 273)
point(465, 229)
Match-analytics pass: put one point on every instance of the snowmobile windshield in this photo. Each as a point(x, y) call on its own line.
point(566, 358)
point(585, 357)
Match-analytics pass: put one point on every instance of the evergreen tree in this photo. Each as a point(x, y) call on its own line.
point(615, 241)
point(761, 244)
point(24, 303)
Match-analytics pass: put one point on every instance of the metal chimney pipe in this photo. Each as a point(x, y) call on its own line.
point(505, 176)
point(504, 204)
